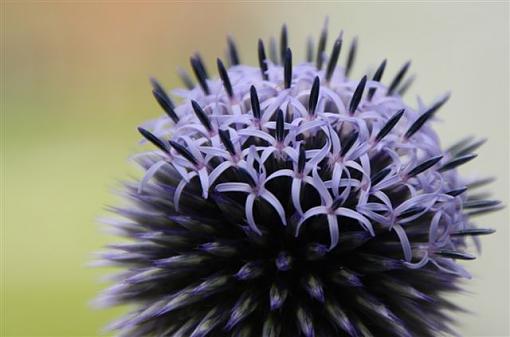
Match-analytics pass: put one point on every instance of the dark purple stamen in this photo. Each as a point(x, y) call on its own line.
point(200, 75)
point(321, 47)
point(452, 254)
point(201, 115)
point(164, 101)
point(424, 166)
point(309, 50)
point(424, 117)
point(280, 126)
point(457, 192)
point(314, 96)
point(358, 93)
point(227, 142)
point(232, 52)
point(153, 139)
point(262, 59)
point(333, 58)
point(390, 124)
point(183, 152)
point(287, 65)
point(379, 176)
point(301, 159)
point(474, 232)
point(351, 56)
point(349, 142)
point(377, 78)
point(255, 105)
point(224, 78)
point(284, 43)
point(457, 161)
point(398, 78)
point(186, 79)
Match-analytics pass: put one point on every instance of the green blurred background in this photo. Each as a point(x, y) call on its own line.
point(75, 80)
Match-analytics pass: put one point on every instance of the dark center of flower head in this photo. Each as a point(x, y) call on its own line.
point(291, 201)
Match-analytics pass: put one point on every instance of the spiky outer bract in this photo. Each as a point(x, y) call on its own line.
point(289, 200)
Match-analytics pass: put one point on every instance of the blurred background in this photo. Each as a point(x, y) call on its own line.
point(76, 84)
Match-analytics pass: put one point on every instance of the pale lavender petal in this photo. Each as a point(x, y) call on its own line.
point(149, 174)
point(273, 201)
point(356, 216)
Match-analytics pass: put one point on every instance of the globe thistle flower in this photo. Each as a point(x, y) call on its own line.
point(291, 200)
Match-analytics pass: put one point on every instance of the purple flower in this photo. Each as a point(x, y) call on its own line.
point(289, 200)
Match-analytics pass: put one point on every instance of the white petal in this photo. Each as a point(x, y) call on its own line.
point(404, 241)
point(233, 187)
point(357, 216)
point(258, 134)
point(149, 174)
point(204, 181)
point(280, 173)
point(333, 230)
point(178, 192)
point(218, 171)
point(417, 265)
point(319, 156)
point(248, 207)
point(310, 213)
point(321, 188)
point(273, 201)
point(266, 153)
point(296, 195)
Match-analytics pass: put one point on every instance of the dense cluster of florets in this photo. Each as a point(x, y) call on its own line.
point(293, 201)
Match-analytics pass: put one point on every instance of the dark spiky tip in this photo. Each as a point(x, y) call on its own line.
point(455, 162)
point(333, 58)
point(322, 46)
point(457, 191)
point(424, 117)
point(200, 74)
point(411, 212)
point(180, 149)
point(262, 59)
point(481, 203)
point(398, 78)
point(153, 139)
point(455, 255)
point(356, 96)
point(287, 65)
point(280, 126)
point(474, 232)
point(284, 43)
point(201, 115)
point(309, 49)
point(349, 142)
point(272, 50)
point(314, 96)
point(405, 86)
point(390, 124)
point(377, 78)
point(201, 64)
point(301, 158)
point(224, 78)
point(233, 55)
point(163, 100)
point(227, 142)
point(423, 166)
point(470, 148)
point(186, 79)
point(351, 56)
point(255, 105)
point(379, 176)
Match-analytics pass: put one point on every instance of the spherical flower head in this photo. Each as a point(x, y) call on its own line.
point(290, 200)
